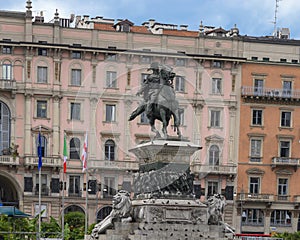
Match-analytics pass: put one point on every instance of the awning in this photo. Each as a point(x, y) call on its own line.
point(12, 211)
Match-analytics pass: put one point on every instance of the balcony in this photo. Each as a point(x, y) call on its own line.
point(113, 165)
point(9, 160)
point(214, 169)
point(54, 162)
point(253, 197)
point(285, 162)
point(7, 85)
point(273, 94)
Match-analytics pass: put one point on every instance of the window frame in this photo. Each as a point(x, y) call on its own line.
point(215, 118)
point(111, 79)
point(179, 83)
point(255, 118)
point(76, 76)
point(78, 115)
point(255, 156)
point(113, 114)
point(42, 70)
point(285, 123)
point(216, 86)
point(41, 113)
point(110, 150)
point(254, 187)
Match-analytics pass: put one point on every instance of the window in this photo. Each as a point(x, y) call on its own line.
point(255, 150)
point(254, 185)
point(282, 188)
point(212, 188)
point(146, 59)
point(109, 187)
point(4, 127)
point(144, 118)
point(42, 74)
point(111, 79)
point(257, 117)
point(75, 111)
point(217, 64)
point(74, 186)
point(110, 150)
point(111, 57)
point(74, 148)
point(215, 118)
point(216, 86)
point(284, 148)
point(76, 77)
point(281, 217)
point(285, 119)
point(28, 184)
point(76, 55)
point(41, 109)
point(214, 154)
point(258, 87)
point(180, 62)
point(44, 186)
point(44, 145)
point(7, 50)
point(42, 52)
point(179, 83)
point(7, 71)
point(110, 113)
point(55, 185)
point(287, 88)
point(253, 216)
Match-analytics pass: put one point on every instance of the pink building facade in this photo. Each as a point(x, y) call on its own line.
point(61, 80)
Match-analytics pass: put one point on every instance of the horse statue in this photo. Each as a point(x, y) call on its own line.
point(160, 102)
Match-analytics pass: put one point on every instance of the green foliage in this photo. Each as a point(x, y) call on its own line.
point(76, 222)
point(288, 236)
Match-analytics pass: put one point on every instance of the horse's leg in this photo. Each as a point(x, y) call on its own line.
point(176, 123)
point(153, 129)
point(163, 116)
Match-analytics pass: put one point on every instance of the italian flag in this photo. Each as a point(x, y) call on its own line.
point(65, 154)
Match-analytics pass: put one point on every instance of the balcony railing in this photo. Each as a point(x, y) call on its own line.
point(270, 92)
point(255, 197)
point(286, 161)
point(214, 169)
point(115, 165)
point(47, 161)
point(9, 160)
point(7, 84)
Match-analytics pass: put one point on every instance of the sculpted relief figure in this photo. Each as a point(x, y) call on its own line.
point(159, 101)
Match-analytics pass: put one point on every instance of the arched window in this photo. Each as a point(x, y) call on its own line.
point(103, 213)
point(74, 148)
point(43, 146)
point(214, 154)
point(110, 150)
point(4, 128)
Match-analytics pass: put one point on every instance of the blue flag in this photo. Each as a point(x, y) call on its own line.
point(40, 151)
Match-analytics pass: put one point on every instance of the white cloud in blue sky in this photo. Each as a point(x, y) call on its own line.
point(252, 17)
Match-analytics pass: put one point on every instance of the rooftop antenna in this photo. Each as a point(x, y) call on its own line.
point(275, 17)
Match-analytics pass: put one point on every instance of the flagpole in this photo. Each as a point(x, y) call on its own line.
point(63, 208)
point(40, 177)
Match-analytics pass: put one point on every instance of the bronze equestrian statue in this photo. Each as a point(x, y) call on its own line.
point(159, 99)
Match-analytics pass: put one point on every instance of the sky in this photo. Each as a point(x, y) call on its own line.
point(252, 17)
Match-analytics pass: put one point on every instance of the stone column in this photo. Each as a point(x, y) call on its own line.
point(56, 126)
point(27, 130)
point(232, 134)
point(93, 130)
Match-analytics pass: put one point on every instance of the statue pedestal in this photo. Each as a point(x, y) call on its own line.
point(164, 169)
